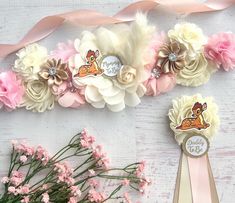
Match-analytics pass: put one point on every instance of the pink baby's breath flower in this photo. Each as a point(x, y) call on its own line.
point(125, 182)
point(24, 149)
point(23, 189)
point(127, 198)
point(91, 172)
point(140, 169)
point(14, 142)
point(75, 191)
point(93, 183)
point(25, 199)
point(45, 198)
point(64, 173)
point(86, 140)
point(221, 50)
point(97, 152)
point(73, 200)
point(95, 196)
point(5, 180)
point(12, 190)
point(23, 159)
point(16, 178)
point(42, 155)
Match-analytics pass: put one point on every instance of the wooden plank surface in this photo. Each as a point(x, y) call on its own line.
point(136, 133)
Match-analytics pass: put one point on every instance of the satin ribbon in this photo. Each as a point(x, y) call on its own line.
point(195, 182)
point(49, 24)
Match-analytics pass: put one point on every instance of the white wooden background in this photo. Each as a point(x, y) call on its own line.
point(136, 133)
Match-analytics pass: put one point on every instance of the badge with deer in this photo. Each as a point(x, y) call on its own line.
point(91, 68)
point(197, 120)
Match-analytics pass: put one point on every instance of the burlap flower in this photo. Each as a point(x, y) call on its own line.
point(54, 72)
point(172, 57)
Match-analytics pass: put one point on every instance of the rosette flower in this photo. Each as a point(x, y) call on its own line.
point(196, 72)
point(11, 90)
point(29, 61)
point(221, 50)
point(182, 108)
point(38, 96)
point(126, 87)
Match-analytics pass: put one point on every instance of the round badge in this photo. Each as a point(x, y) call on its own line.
point(195, 145)
point(111, 65)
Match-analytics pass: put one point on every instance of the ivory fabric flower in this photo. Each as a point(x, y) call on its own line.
point(126, 88)
point(38, 96)
point(11, 90)
point(29, 61)
point(172, 57)
point(196, 72)
point(54, 72)
point(182, 108)
point(221, 50)
point(190, 35)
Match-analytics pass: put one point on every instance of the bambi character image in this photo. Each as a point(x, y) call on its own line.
point(197, 121)
point(92, 68)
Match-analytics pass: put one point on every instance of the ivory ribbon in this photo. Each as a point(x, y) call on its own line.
point(195, 182)
point(49, 24)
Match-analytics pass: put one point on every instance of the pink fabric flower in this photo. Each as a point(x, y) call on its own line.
point(64, 51)
point(162, 83)
point(221, 50)
point(11, 90)
point(68, 95)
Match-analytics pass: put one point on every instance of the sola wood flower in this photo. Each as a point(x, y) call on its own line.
point(59, 182)
point(171, 57)
point(54, 72)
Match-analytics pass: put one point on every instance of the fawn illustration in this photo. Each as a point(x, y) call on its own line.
point(197, 121)
point(92, 67)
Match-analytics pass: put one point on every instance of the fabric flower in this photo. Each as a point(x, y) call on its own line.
point(126, 75)
point(126, 88)
point(68, 95)
point(182, 108)
point(196, 72)
point(11, 90)
point(190, 35)
point(221, 50)
point(29, 61)
point(54, 72)
point(172, 57)
point(38, 96)
point(64, 51)
point(157, 82)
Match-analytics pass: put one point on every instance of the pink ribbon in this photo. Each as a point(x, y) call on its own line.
point(49, 24)
point(200, 180)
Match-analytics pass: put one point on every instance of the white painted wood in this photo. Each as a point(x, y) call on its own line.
point(134, 134)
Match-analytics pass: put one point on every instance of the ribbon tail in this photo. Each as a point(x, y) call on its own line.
point(183, 186)
point(200, 181)
point(214, 194)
